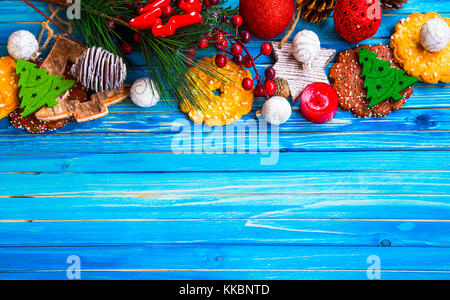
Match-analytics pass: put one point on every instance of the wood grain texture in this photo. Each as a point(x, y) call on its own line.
point(113, 192)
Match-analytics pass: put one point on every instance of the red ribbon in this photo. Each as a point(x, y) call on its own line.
point(149, 17)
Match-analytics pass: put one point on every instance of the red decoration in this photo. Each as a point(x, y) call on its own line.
point(357, 20)
point(319, 103)
point(266, 18)
point(149, 18)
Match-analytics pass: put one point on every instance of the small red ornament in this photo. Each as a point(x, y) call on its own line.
point(247, 84)
point(266, 18)
point(319, 103)
point(357, 20)
point(127, 48)
point(221, 60)
point(266, 49)
point(270, 87)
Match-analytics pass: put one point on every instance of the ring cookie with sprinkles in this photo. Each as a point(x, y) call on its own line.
point(430, 67)
point(232, 103)
point(346, 77)
point(9, 100)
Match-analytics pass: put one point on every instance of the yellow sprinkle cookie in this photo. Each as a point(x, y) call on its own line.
point(230, 105)
point(409, 53)
point(8, 86)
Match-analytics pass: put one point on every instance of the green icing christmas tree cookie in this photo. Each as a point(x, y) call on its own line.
point(381, 80)
point(38, 88)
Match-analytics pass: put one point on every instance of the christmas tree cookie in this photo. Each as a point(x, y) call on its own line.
point(381, 81)
point(38, 88)
point(365, 93)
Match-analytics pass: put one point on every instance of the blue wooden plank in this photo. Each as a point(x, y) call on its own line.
point(166, 122)
point(370, 233)
point(167, 162)
point(228, 275)
point(202, 143)
point(301, 183)
point(222, 206)
point(221, 258)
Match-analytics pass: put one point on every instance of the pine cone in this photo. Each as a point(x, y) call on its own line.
point(99, 70)
point(315, 11)
point(392, 4)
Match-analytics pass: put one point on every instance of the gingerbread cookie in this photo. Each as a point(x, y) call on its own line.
point(232, 103)
point(9, 100)
point(32, 124)
point(413, 57)
point(349, 84)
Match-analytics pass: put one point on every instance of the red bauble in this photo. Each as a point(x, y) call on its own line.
point(319, 103)
point(266, 18)
point(357, 20)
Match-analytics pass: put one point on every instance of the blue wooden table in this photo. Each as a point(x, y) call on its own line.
point(343, 196)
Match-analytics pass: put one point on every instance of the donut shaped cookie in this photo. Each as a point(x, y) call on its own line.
point(9, 100)
point(226, 102)
point(410, 54)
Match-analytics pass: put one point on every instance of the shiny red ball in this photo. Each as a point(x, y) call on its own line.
point(221, 60)
point(270, 87)
point(247, 84)
point(266, 49)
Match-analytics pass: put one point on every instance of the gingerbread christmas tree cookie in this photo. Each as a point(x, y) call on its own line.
point(38, 88)
point(381, 81)
point(348, 80)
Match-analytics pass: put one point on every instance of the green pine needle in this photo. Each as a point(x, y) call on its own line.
point(165, 57)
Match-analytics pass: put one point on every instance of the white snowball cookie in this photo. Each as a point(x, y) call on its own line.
point(276, 110)
point(306, 47)
point(144, 93)
point(22, 44)
point(434, 35)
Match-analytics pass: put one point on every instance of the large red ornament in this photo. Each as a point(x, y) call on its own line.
point(266, 18)
point(357, 20)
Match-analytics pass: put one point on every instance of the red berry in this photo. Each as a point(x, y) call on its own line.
point(248, 62)
point(319, 103)
point(222, 44)
point(259, 91)
point(237, 20)
point(220, 36)
point(270, 87)
point(167, 10)
point(203, 44)
point(137, 38)
point(127, 48)
point(270, 73)
point(247, 84)
point(238, 59)
point(191, 52)
point(266, 49)
point(221, 60)
point(246, 37)
point(236, 49)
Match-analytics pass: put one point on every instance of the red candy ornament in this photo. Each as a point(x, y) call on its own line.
point(266, 18)
point(357, 20)
point(319, 103)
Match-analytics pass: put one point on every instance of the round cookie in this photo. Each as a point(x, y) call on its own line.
point(413, 57)
point(9, 100)
point(346, 77)
point(233, 100)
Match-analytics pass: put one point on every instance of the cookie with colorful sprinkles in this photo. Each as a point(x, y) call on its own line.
point(346, 77)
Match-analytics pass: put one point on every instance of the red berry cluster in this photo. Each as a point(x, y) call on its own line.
point(231, 45)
